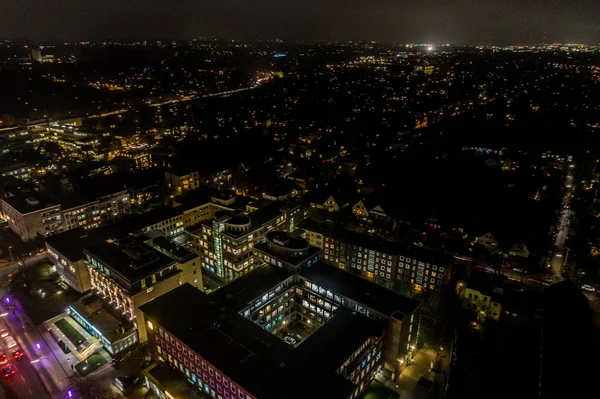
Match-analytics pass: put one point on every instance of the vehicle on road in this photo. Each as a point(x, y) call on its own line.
point(18, 354)
point(8, 370)
point(10, 342)
point(588, 287)
point(4, 333)
point(3, 359)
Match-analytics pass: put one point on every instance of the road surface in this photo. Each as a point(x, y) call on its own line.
point(558, 259)
point(11, 267)
point(25, 384)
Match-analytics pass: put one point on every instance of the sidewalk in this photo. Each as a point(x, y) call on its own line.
point(419, 366)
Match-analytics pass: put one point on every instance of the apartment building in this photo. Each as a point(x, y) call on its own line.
point(182, 180)
point(225, 343)
point(33, 214)
point(397, 266)
point(30, 216)
point(225, 242)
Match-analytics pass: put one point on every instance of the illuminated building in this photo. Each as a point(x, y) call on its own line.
point(386, 263)
point(100, 321)
point(65, 254)
point(225, 343)
point(32, 216)
point(225, 242)
point(483, 295)
point(77, 142)
point(133, 160)
point(181, 180)
point(19, 170)
point(128, 272)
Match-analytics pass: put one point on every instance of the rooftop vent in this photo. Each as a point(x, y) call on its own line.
point(32, 201)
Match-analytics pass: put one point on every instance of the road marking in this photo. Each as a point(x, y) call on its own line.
point(22, 378)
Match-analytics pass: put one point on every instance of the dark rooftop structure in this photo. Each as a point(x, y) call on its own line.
point(29, 203)
point(379, 299)
point(129, 258)
point(108, 322)
point(259, 203)
point(171, 381)
point(270, 211)
point(289, 248)
point(239, 293)
point(172, 250)
point(69, 243)
point(343, 321)
point(253, 357)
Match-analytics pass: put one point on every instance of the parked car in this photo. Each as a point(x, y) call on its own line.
point(290, 340)
point(297, 336)
point(3, 358)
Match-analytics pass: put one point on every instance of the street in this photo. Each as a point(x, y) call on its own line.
point(11, 267)
point(25, 383)
point(40, 369)
point(558, 258)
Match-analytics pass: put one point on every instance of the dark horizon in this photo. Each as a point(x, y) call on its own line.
point(464, 22)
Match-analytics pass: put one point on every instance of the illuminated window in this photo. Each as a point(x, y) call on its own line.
point(150, 325)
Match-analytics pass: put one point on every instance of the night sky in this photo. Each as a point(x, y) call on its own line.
point(438, 21)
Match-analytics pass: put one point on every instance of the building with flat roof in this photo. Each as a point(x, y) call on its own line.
point(404, 268)
point(127, 273)
point(100, 320)
point(34, 214)
point(225, 242)
point(31, 215)
point(66, 249)
point(65, 253)
point(180, 180)
point(228, 343)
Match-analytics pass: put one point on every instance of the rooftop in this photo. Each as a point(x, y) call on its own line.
point(112, 325)
point(343, 321)
point(291, 249)
point(254, 358)
point(260, 203)
point(130, 258)
point(240, 293)
point(173, 382)
point(270, 211)
point(172, 249)
point(362, 291)
point(29, 203)
point(70, 243)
